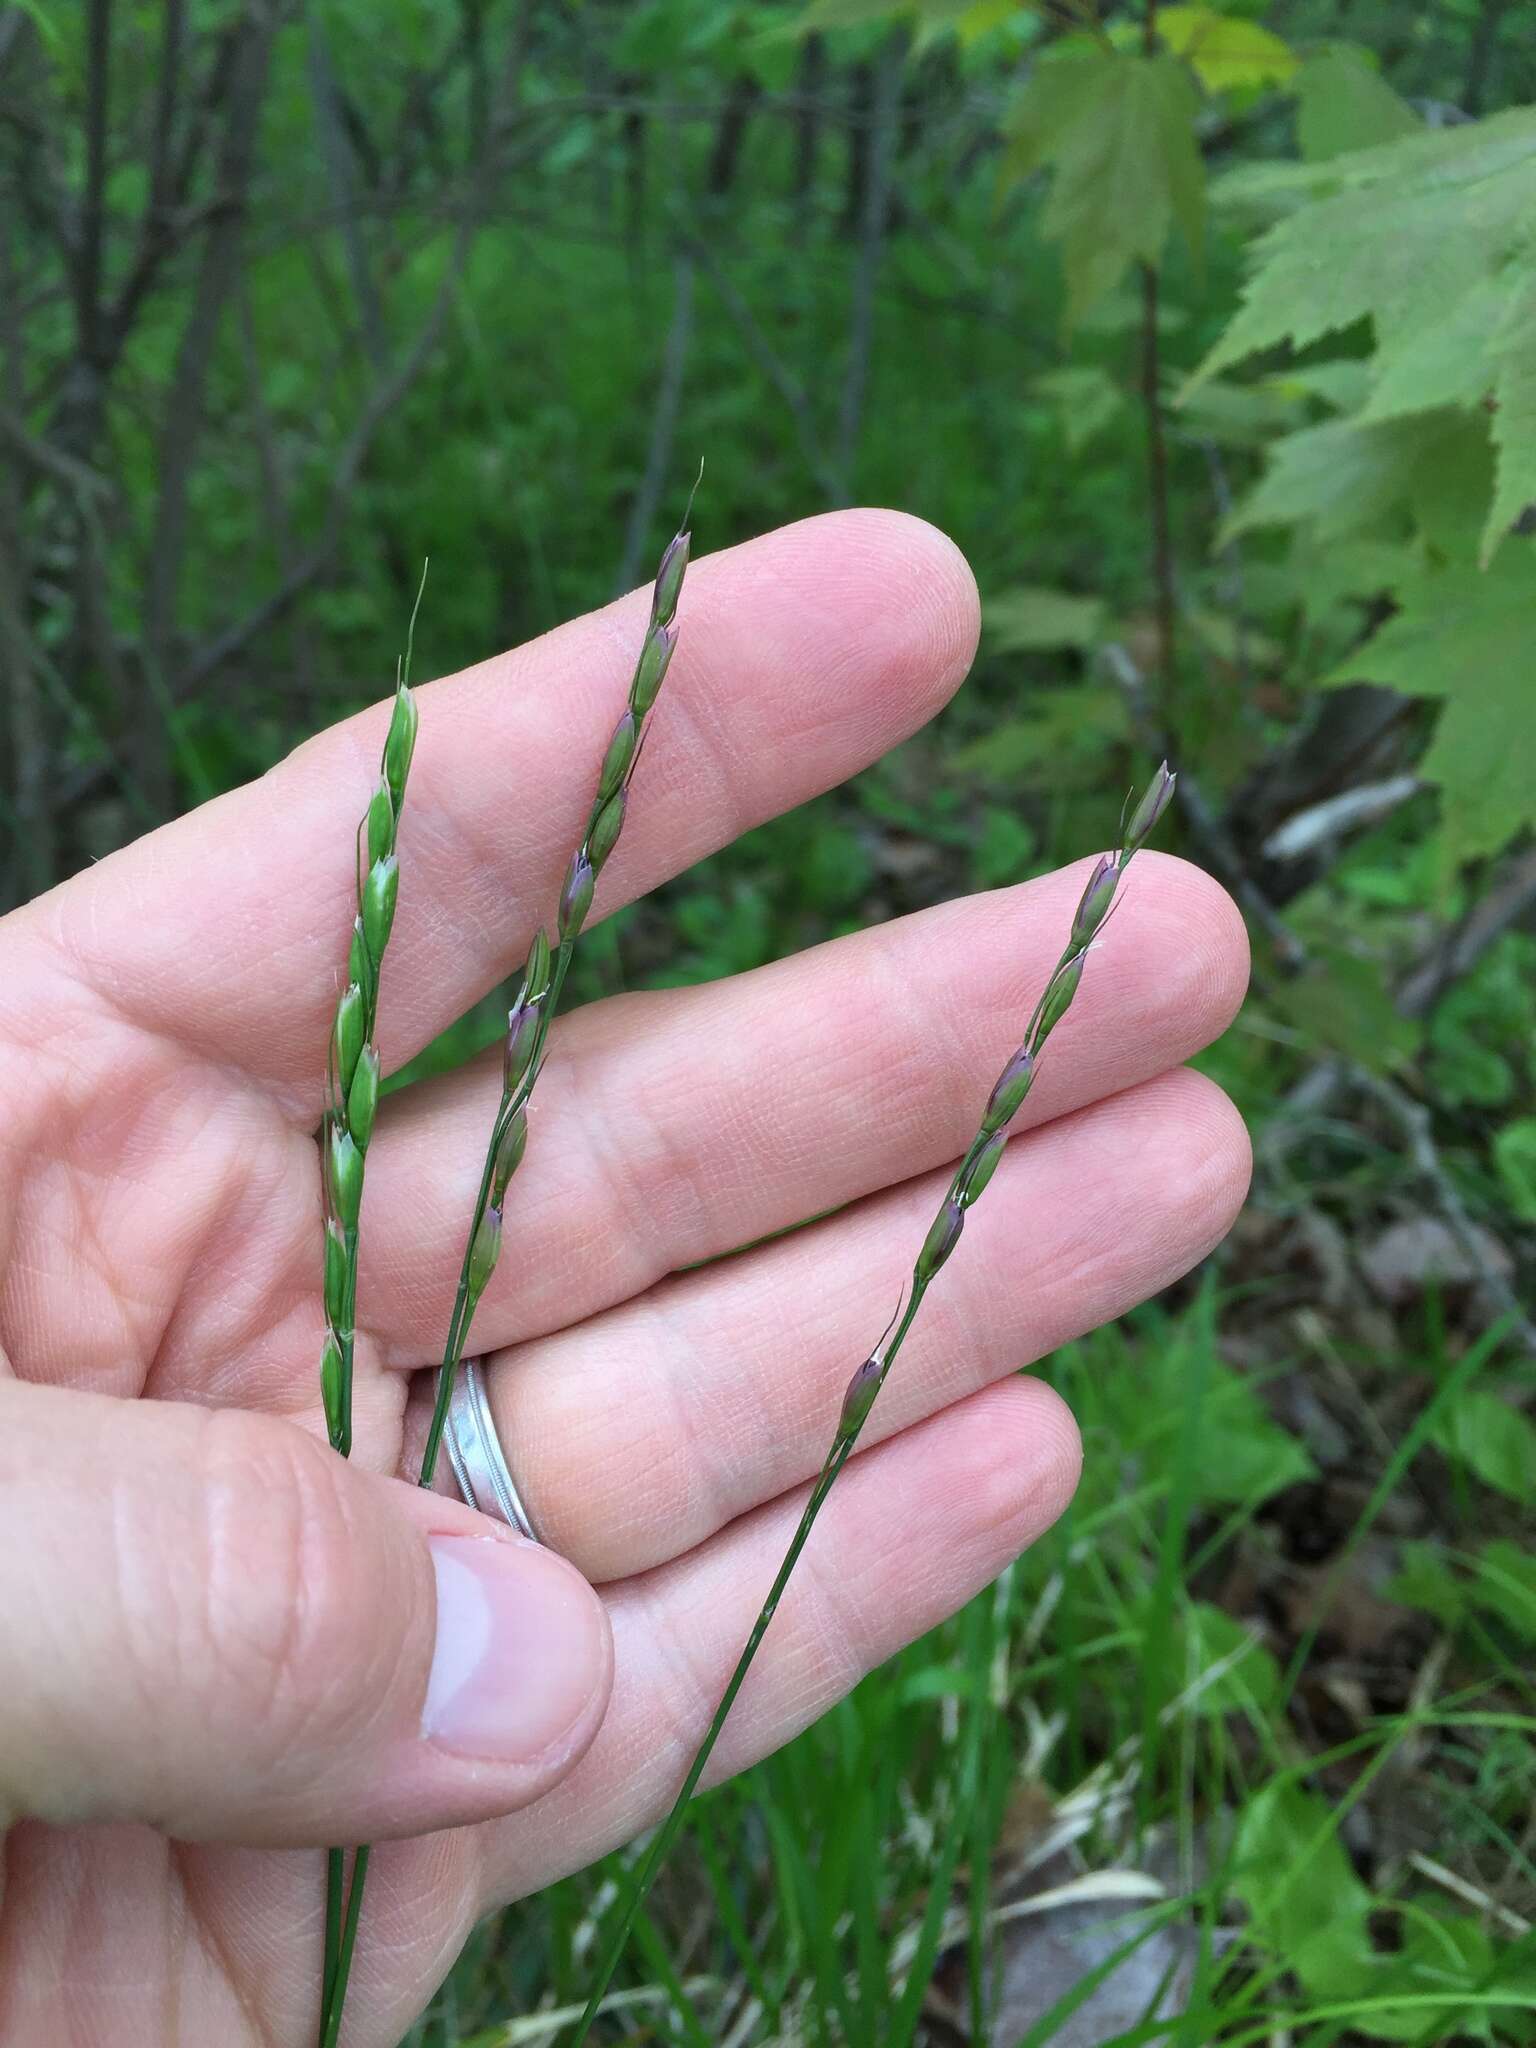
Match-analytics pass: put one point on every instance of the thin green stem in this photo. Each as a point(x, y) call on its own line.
point(335, 1875)
point(667, 1833)
point(347, 1126)
point(463, 1307)
point(331, 2026)
point(604, 823)
point(965, 1187)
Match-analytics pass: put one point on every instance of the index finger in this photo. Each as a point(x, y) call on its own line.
point(803, 656)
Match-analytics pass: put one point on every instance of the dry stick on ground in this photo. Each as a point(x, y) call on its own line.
point(970, 1180)
point(528, 1023)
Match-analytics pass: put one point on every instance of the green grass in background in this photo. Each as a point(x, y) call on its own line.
point(1109, 1753)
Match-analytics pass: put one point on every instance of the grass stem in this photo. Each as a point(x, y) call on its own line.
point(528, 1026)
point(969, 1182)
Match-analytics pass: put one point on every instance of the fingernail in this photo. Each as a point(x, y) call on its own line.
point(518, 1653)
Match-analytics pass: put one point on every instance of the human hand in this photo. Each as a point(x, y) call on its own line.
point(226, 1647)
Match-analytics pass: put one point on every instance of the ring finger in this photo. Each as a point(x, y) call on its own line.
point(639, 1434)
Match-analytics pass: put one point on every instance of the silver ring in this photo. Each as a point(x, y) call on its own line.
point(474, 1451)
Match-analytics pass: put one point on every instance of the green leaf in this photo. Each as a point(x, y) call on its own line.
point(1514, 1154)
point(1494, 1439)
point(1343, 103)
point(1006, 847)
point(1224, 51)
point(1245, 415)
point(1395, 234)
point(1064, 737)
point(1424, 1580)
point(1514, 416)
point(1341, 1004)
point(1118, 133)
point(1085, 399)
point(1505, 1584)
point(1030, 616)
point(1347, 476)
point(1245, 1454)
point(1449, 1956)
point(1305, 1903)
point(1469, 636)
point(1448, 363)
point(1206, 1640)
point(849, 13)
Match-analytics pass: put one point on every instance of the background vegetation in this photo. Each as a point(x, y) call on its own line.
point(1207, 334)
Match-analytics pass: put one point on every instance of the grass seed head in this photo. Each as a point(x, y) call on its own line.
point(536, 970)
point(330, 1384)
point(351, 1029)
point(604, 836)
point(509, 1156)
point(1096, 899)
point(381, 823)
point(400, 745)
point(983, 1168)
point(359, 966)
point(621, 752)
point(1156, 799)
point(484, 1253)
point(1058, 997)
point(522, 1036)
point(651, 670)
point(1009, 1091)
point(669, 579)
point(380, 893)
point(943, 1236)
point(346, 1177)
point(335, 1274)
point(860, 1397)
point(363, 1097)
point(576, 896)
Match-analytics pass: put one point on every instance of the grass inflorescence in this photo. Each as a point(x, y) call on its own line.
point(970, 1180)
point(353, 1077)
point(543, 981)
point(523, 1050)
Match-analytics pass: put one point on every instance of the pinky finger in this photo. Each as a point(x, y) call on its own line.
point(913, 1529)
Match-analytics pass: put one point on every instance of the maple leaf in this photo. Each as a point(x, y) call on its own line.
point(1117, 132)
point(1225, 52)
point(1343, 103)
point(1397, 234)
point(1468, 636)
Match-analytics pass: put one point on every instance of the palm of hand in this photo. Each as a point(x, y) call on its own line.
point(161, 1044)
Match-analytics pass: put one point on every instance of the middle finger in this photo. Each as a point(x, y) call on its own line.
point(635, 1437)
point(674, 1127)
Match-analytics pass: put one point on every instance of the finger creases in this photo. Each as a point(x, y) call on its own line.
point(223, 1630)
point(674, 1126)
point(637, 1437)
point(795, 668)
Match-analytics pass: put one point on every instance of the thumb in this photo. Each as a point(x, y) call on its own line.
point(215, 1625)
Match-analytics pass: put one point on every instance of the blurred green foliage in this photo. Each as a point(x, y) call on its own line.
point(1205, 331)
